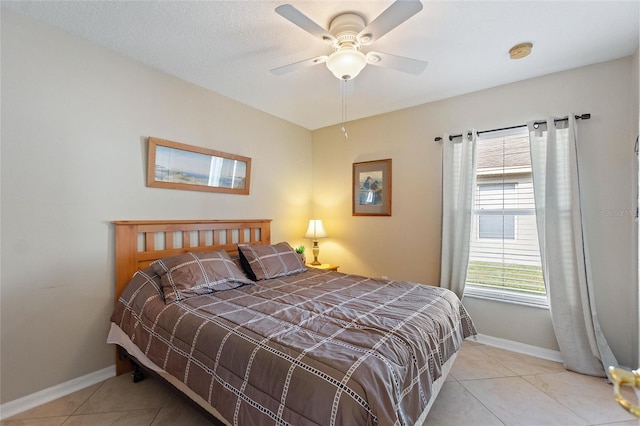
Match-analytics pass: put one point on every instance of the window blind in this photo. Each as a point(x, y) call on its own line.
point(504, 256)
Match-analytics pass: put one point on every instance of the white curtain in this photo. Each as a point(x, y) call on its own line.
point(459, 160)
point(565, 258)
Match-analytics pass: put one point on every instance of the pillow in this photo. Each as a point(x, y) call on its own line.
point(262, 262)
point(192, 274)
point(142, 277)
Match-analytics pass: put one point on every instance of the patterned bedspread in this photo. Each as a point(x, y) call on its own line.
point(319, 347)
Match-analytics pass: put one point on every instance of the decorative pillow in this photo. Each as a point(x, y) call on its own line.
point(192, 274)
point(262, 262)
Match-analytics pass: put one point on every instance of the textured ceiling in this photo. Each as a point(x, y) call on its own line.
point(230, 46)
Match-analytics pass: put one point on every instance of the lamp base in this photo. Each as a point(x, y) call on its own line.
point(316, 251)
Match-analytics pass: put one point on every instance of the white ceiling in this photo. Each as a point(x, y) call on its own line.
point(230, 46)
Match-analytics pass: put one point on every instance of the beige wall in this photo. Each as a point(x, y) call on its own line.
point(74, 122)
point(407, 244)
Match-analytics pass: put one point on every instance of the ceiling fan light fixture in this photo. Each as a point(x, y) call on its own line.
point(346, 64)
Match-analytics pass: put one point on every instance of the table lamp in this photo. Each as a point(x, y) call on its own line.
point(315, 231)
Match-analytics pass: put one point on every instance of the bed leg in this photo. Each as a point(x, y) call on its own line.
point(138, 374)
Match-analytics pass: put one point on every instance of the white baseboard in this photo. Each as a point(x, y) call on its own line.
point(25, 403)
point(522, 348)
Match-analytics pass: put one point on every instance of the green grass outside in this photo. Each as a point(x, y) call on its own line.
point(516, 277)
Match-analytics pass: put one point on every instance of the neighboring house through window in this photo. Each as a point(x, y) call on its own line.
point(491, 199)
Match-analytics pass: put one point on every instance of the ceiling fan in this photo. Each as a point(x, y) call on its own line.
point(348, 33)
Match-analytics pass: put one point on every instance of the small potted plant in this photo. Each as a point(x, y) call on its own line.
point(300, 251)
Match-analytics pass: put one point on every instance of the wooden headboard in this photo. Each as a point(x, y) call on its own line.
point(138, 243)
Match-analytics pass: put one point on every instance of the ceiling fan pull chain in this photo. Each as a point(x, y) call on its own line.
point(343, 95)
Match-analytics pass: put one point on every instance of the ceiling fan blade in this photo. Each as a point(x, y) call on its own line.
point(292, 14)
point(394, 15)
point(399, 63)
point(298, 65)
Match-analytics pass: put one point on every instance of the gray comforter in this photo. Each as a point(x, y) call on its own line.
point(319, 347)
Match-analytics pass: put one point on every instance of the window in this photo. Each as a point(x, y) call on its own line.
point(504, 258)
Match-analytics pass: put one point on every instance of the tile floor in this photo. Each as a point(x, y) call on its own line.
point(487, 386)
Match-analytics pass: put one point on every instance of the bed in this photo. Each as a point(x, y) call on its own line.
point(244, 329)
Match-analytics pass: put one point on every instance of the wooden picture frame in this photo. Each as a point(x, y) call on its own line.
point(176, 165)
point(371, 186)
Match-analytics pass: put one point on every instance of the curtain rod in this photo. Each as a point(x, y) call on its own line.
point(535, 124)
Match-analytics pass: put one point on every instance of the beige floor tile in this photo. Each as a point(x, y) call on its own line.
point(64, 406)
point(474, 351)
point(517, 402)
point(48, 421)
point(450, 378)
point(473, 364)
point(121, 394)
point(123, 418)
point(482, 389)
point(179, 412)
point(455, 406)
point(522, 364)
point(590, 397)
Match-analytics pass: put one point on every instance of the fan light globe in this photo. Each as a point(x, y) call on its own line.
point(346, 64)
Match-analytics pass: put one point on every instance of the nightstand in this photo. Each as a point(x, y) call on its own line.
point(324, 266)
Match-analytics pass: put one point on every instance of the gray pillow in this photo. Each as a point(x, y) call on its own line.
point(194, 273)
point(262, 262)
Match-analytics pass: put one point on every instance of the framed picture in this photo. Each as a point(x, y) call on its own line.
point(179, 166)
point(372, 188)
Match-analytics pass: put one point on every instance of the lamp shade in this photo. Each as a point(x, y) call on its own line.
point(315, 230)
point(346, 63)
